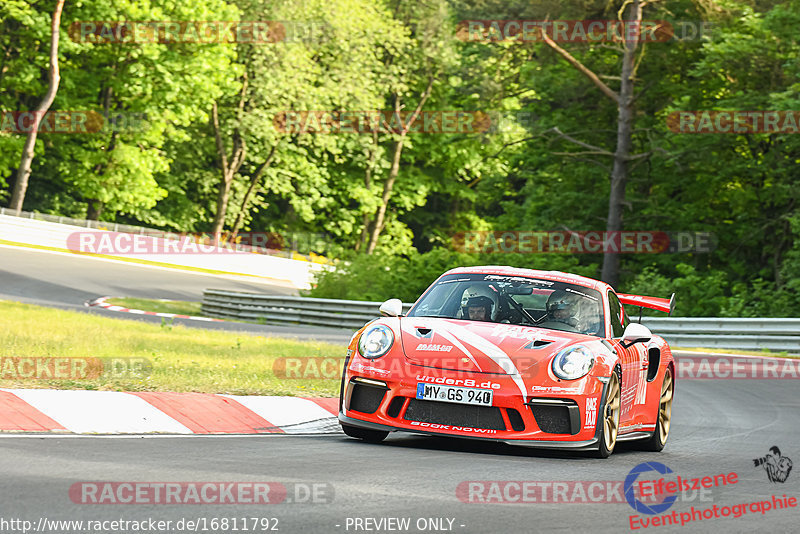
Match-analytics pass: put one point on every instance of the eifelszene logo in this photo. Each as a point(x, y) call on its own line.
point(630, 482)
point(657, 496)
point(777, 467)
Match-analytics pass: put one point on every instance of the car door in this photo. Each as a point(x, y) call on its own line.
point(634, 363)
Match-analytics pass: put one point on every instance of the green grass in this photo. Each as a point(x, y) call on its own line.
point(160, 306)
point(182, 359)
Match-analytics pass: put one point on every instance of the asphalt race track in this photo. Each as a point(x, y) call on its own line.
point(719, 427)
point(67, 281)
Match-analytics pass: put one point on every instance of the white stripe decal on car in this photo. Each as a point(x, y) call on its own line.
point(495, 353)
point(447, 335)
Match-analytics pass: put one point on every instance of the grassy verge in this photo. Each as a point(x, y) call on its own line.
point(182, 359)
point(159, 306)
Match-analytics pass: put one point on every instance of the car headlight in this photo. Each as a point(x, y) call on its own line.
point(573, 363)
point(375, 341)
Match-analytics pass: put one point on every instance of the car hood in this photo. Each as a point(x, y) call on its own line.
point(480, 347)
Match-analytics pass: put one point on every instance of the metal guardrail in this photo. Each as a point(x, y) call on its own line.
point(706, 332)
point(335, 313)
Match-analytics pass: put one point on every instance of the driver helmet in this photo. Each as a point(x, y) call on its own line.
point(479, 309)
point(475, 296)
point(563, 307)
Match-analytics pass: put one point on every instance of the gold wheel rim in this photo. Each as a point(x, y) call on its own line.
point(665, 406)
point(611, 416)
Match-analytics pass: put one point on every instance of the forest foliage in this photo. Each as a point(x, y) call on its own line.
point(214, 152)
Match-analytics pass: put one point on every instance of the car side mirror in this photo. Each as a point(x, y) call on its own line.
point(392, 308)
point(635, 333)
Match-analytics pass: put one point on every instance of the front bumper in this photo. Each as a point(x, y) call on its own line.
point(590, 444)
point(549, 414)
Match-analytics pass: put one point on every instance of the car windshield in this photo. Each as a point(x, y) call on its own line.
point(514, 300)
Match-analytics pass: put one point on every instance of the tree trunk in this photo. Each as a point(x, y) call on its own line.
point(238, 154)
point(380, 217)
point(387, 194)
point(619, 173)
point(94, 210)
point(54, 77)
point(373, 149)
point(229, 170)
point(254, 180)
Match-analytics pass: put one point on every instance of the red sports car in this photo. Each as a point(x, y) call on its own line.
point(536, 358)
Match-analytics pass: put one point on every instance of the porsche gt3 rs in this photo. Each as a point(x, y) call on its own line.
point(536, 358)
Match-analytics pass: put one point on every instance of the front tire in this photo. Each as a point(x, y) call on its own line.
point(365, 434)
point(661, 433)
point(610, 422)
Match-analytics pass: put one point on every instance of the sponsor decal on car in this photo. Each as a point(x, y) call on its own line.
point(370, 369)
point(437, 426)
point(636, 427)
point(432, 347)
point(556, 389)
point(591, 412)
point(516, 332)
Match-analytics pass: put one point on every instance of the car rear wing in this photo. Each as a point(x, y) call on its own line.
point(653, 303)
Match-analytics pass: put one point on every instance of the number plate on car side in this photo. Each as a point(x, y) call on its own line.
point(459, 395)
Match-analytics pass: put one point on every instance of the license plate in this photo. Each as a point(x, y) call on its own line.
point(459, 395)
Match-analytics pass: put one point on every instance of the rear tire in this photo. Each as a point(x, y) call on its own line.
point(610, 421)
point(365, 434)
point(661, 433)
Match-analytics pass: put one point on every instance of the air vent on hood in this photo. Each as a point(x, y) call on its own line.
point(423, 332)
point(537, 344)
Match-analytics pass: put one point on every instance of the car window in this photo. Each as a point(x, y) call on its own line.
point(514, 300)
point(618, 319)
